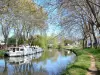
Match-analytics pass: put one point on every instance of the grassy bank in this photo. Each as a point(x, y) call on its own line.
point(83, 62)
point(2, 53)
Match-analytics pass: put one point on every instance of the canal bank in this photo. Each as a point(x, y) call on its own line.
point(83, 62)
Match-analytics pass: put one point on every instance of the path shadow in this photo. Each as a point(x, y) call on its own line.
point(94, 72)
point(98, 72)
point(75, 67)
point(82, 67)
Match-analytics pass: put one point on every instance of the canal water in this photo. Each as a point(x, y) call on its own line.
point(50, 62)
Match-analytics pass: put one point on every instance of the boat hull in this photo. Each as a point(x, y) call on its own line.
point(26, 51)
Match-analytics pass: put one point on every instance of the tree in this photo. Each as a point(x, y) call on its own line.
point(25, 17)
point(6, 22)
point(88, 13)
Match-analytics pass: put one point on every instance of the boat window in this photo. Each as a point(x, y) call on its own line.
point(99, 31)
point(21, 61)
point(17, 62)
point(12, 62)
point(21, 49)
point(13, 49)
point(33, 47)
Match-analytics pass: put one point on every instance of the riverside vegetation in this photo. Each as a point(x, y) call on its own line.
point(80, 67)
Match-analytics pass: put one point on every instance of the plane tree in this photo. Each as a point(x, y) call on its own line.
point(26, 17)
point(87, 13)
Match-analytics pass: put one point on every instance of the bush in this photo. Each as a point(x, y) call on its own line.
point(38, 40)
point(21, 41)
point(11, 41)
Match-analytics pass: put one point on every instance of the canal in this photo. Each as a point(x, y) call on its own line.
point(51, 62)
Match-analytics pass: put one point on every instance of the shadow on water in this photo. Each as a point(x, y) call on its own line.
point(36, 64)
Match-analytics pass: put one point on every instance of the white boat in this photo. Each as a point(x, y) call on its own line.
point(23, 50)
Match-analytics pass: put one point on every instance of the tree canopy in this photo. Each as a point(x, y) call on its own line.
point(21, 16)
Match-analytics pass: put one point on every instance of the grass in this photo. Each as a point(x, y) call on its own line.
point(2, 53)
point(83, 62)
point(96, 54)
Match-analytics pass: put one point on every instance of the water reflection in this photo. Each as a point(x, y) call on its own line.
point(28, 65)
point(23, 59)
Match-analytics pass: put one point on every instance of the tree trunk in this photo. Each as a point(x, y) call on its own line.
point(83, 43)
point(94, 37)
point(91, 41)
point(5, 41)
point(16, 42)
point(95, 41)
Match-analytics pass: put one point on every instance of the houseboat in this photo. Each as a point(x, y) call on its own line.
point(23, 50)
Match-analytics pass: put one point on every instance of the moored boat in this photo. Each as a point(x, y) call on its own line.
point(23, 50)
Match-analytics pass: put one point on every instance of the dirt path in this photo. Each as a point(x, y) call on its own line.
point(92, 69)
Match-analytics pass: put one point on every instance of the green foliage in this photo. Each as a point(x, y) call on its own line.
point(59, 47)
point(52, 42)
point(83, 62)
point(2, 53)
point(44, 41)
point(55, 43)
point(38, 40)
point(21, 41)
point(11, 41)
